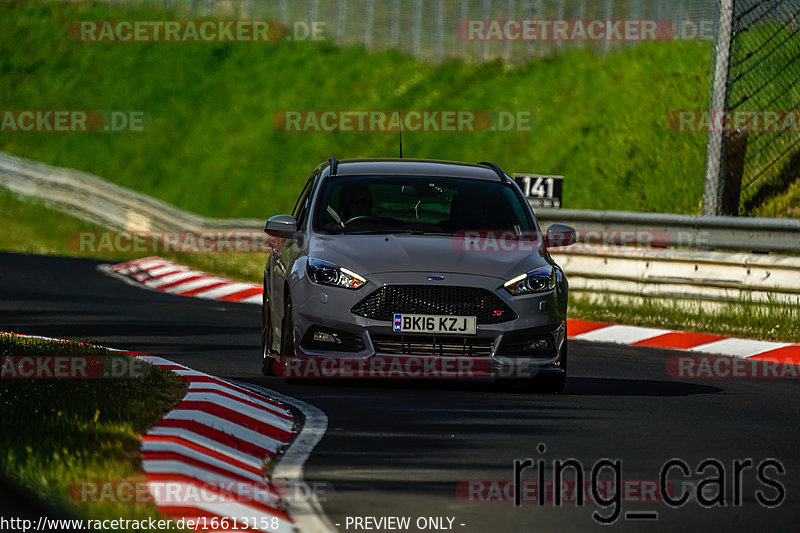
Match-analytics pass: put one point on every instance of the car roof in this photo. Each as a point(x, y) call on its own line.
point(412, 167)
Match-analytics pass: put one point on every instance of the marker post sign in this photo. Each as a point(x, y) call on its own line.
point(541, 190)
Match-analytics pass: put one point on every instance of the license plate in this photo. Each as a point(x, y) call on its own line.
point(437, 324)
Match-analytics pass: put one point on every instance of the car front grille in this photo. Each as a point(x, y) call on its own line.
point(383, 303)
point(442, 345)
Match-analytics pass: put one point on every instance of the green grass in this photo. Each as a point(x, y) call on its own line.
point(739, 319)
point(767, 80)
point(212, 147)
point(57, 432)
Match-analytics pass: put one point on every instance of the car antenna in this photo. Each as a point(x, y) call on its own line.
point(400, 130)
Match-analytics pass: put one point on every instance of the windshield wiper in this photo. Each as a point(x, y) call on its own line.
point(386, 231)
point(383, 231)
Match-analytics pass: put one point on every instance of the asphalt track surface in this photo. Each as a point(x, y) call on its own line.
point(401, 448)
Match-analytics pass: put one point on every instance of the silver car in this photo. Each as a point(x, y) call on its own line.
point(414, 268)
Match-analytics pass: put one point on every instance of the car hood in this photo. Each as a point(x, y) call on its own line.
point(434, 254)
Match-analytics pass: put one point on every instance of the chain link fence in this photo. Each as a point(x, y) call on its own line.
point(754, 143)
point(436, 30)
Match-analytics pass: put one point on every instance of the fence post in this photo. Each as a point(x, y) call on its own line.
point(608, 12)
point(559, 15)
point(485, 15)
point(395, 23)
point(341, 19)
point(439, 45)
point(712, 194)
point(416, 29)
point(541, 46)
point(529, 12)
point(313, 9)
point(462, 15)
point(369, 8)
point(511, 9)
point(282, 14)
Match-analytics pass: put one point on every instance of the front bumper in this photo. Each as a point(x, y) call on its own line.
point(530, 344)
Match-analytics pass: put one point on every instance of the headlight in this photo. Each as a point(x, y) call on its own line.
point(537, 280)
point(326, 273)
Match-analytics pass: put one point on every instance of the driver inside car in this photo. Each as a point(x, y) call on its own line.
point(355, 201)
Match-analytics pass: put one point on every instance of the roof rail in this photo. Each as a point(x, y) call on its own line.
point(497, 170)
point(334, 165)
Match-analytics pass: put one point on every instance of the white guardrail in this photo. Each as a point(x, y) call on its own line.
point(690, 272)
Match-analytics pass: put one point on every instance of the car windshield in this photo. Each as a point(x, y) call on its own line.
point(419, 205)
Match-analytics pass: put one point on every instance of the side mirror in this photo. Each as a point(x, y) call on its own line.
point(560, 235)
point(282, 224)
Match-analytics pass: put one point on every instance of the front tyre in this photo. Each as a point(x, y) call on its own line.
point(553, 383)
point(287, 339)
point(287, 329)
point(267, 361)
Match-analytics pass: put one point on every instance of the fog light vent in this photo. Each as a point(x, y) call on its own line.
point(538, 344)
point(330, 338)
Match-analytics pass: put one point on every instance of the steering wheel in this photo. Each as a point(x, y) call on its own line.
point(365, 218)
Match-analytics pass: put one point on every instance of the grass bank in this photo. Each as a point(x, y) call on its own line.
point(212, 146)
point(58, 432)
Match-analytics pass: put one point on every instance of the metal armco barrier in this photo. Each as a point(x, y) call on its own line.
point(93, 199)
point(687, 231)
point(681, 274)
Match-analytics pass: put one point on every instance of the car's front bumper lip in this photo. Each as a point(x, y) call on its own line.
point(371, 363)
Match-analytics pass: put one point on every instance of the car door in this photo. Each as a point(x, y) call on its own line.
point(282, 260)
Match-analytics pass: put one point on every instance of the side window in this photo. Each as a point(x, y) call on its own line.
point(300, 212)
